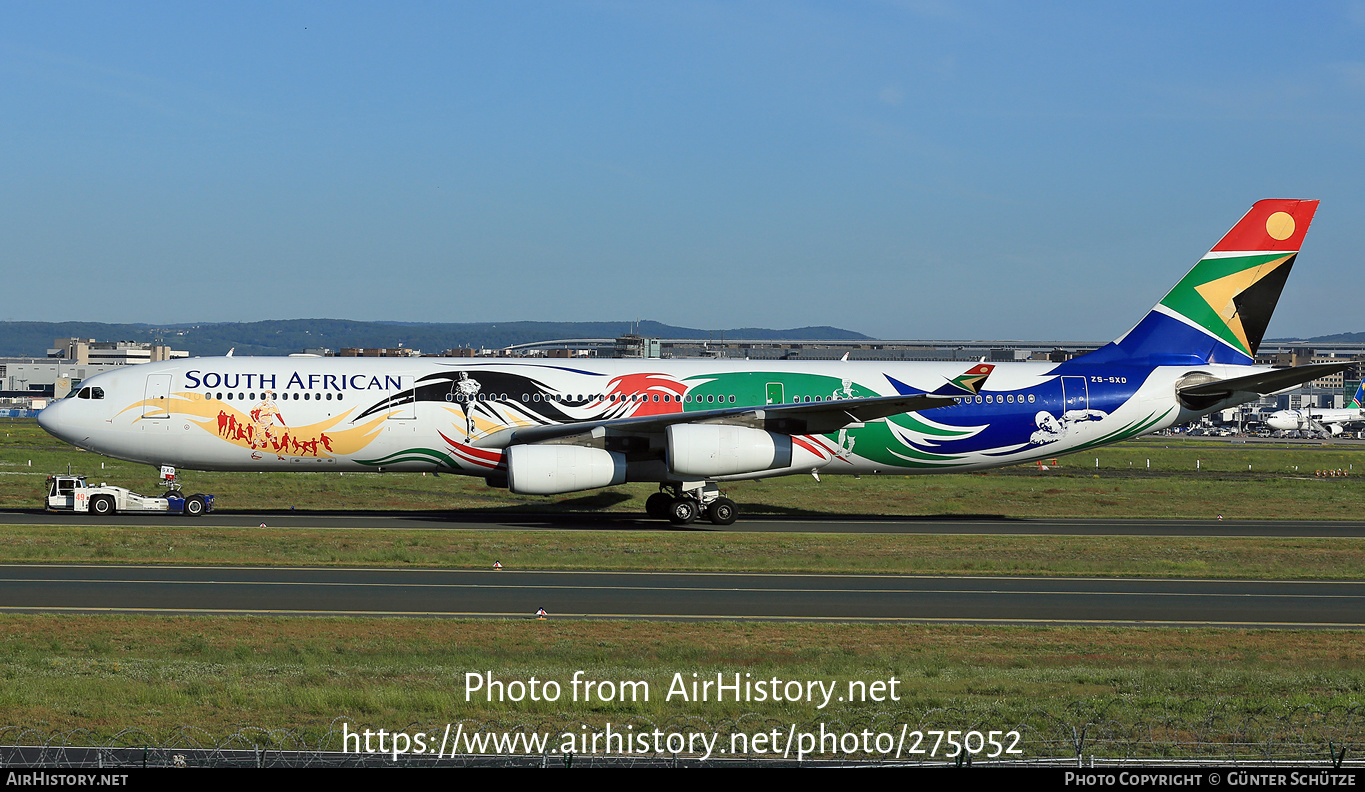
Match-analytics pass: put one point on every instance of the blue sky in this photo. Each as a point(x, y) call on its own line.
point(908, 170)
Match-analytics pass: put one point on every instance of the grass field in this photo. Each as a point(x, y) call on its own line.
point(106, 673)
point(1124, 486)
point(934, 554)
point(109, 673)
point(1186, 479)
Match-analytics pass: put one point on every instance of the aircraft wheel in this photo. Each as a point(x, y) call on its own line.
point(194, 506)
point(682, 511)
point(656, 505)
point(102, 506)
point(722, 511)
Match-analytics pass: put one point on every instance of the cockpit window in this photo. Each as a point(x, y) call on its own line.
point(97, 393)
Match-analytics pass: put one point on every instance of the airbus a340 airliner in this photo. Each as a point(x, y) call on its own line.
point(1322, 419)
point(546, 427)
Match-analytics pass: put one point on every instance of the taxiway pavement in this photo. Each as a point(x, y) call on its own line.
point(675, 596)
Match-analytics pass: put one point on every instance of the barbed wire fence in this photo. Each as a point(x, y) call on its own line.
point(1107, 733)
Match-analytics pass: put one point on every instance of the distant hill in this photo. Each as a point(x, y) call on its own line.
point(1339, 338)
point(33, 339)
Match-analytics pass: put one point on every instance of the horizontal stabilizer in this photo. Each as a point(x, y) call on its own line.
point(1262, 383)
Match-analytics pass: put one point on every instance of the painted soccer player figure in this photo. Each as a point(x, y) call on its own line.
point(467, 391)
point(263, 418)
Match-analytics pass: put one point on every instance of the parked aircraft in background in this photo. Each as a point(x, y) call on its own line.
point(545, 427)
point(1322, 419)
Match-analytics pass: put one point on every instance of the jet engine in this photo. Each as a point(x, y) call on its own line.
point(556, 469)
point(709, 450)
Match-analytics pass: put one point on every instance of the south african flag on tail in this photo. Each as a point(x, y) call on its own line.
point(1219, 311)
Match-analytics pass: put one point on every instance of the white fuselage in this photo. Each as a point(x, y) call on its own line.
point(1309, 418)
point(447, 414)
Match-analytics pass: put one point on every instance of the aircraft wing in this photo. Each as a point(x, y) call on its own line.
point(1263, 382)
point(794, 419)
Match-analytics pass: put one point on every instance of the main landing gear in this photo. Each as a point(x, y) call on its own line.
point(681, 504)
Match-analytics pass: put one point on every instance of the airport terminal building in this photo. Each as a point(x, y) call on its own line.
point(29, 383)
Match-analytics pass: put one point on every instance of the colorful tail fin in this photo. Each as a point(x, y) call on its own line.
point(1218, 312)
point(1358, 400)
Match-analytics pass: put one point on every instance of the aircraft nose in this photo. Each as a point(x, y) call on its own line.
point(46, 418)
point(50, 419)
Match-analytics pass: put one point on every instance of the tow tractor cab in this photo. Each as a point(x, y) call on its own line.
point(75, 494)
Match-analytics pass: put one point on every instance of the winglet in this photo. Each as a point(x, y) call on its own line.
point(970, 381)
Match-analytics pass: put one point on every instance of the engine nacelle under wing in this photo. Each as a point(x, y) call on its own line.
point(708, 450)
point(556, 469)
